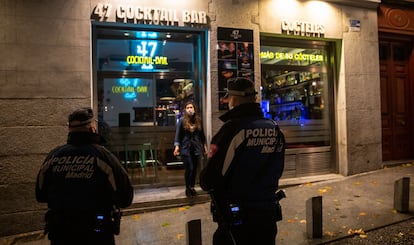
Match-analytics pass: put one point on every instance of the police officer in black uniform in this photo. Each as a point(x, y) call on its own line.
point(245, 162)
point(84, 186)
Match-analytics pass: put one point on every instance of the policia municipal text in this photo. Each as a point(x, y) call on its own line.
point(84, 186)
point(245, 162)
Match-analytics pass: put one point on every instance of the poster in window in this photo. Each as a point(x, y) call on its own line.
point(235, 58)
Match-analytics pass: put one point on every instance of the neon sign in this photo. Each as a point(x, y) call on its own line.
point(291, 56)
point(130, 88)
point(143, 60)
point(145, 57)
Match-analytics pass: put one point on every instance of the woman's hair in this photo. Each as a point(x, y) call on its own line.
point(191, 121)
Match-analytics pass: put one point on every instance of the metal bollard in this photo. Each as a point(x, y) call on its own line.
point(194, 232)
point(314, 217)
point(402, 195)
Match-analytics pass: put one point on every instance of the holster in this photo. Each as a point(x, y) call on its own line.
point(116, 221)
point(279, 216)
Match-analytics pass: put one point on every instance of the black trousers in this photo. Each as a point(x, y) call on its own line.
point(254, 230)
point(191, 165)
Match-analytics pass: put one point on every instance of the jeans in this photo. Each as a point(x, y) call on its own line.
point(190, 165)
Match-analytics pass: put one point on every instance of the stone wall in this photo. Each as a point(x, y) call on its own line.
point(44, 75)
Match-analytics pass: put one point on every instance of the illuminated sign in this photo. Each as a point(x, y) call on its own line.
point(144, 60)
point(303, 28)
point(149, 15)
point(146, 56)
point(291, 56)
point(130, 88)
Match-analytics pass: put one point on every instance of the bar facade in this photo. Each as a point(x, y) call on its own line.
point(315, 63)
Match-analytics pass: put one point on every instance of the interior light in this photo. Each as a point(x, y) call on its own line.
point(168, 35)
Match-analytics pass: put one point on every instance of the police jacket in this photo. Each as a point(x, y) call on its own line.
point(83, 176)
point(246, 159)
point(189, 142)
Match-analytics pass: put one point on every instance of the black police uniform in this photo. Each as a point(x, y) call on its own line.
point(246, 160)
point(82, 182)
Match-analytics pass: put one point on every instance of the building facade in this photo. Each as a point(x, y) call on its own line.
point(315, 63)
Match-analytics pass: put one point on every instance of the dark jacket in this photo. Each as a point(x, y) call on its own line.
point(83, 176)
point(246, 159)
point(189, 142)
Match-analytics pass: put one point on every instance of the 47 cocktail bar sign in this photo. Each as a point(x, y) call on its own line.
point(106, 12)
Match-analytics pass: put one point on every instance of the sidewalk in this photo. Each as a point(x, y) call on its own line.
point(363, 201)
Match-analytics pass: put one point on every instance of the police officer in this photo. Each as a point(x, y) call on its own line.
point(82, 182)
point(245, 162)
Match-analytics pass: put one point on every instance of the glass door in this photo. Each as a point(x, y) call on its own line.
point(141, 110)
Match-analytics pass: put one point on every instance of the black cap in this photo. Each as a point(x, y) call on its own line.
point(80, 117)
point(240, 86)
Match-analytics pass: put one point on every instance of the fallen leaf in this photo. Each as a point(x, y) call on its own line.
point(183, 208)
point(135, 217)
point(362, 214)
point(179, 236)
point(374, 183)
point(326, 189)
point(357, 183)
point(363, 235)
point(308, 184)
point(291, 221)
point(329, 233)
point(303, 221)
point(359, 232)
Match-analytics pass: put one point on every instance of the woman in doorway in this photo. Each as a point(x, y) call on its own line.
point(190, 144)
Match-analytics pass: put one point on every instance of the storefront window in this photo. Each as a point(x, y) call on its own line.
point(143, 79)
point(144, 74)
point(295, 90)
